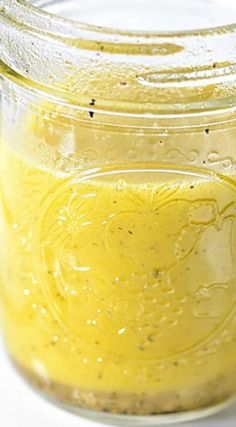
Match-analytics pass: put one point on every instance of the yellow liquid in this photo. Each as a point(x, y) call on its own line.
point(123, 280)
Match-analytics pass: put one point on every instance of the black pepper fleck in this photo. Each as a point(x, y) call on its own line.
point(191, 187)
point(92, 102)
point(123, 83)
point(207, 131)
point(91, 114)
point(156, 273)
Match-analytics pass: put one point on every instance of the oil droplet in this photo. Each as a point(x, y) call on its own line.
point(164, 303)
point(161, 319)
point(91, 322)
point(55, 338)
point(167, 290)
point(121, 331)
point(173, 322)
point(213, 156)
point(26, 292)
point(178, 311)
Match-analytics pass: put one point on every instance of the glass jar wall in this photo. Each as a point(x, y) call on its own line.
point(118, 223)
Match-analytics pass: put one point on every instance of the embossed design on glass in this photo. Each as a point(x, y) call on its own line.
point(163, 249)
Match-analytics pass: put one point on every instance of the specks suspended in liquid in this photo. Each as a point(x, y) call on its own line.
point(156, 273)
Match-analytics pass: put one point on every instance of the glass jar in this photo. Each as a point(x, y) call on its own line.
point(118, 223)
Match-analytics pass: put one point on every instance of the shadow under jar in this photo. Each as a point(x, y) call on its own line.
point(118, 205)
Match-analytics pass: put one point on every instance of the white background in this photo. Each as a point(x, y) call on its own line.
point(22, 407)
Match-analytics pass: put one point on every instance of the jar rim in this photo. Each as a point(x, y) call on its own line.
point(191, 58)
point(22, 9)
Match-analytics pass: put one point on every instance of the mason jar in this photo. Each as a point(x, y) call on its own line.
point(118, 204)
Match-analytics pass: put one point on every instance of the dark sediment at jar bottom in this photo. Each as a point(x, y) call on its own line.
point(209, 394)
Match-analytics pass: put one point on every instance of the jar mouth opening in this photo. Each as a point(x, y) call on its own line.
point(60, 25)
point(173, 72)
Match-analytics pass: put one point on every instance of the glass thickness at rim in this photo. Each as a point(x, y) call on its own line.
point(177, 59)
point(78, 28)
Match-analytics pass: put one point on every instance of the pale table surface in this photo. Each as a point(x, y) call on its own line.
point(22, 407)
